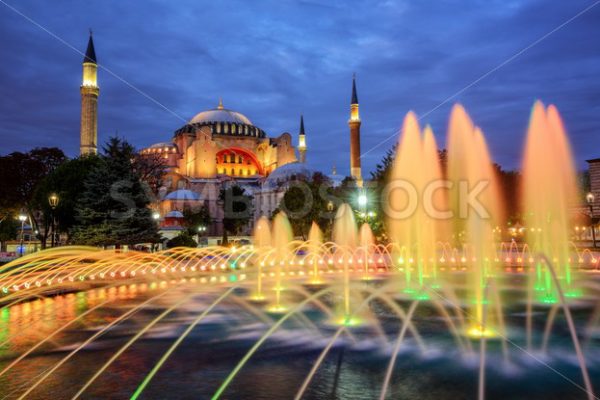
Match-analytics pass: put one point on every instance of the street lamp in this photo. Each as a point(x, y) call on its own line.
point(22, 218)
point(330, 207)
point(53, 200)
point(363, 200)
point(156, 218)
point(201, 230)
point(590, 200)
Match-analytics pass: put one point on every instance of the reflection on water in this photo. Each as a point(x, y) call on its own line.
point(354, 369)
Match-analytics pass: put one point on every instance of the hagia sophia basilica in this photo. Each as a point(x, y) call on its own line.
point(216, 148)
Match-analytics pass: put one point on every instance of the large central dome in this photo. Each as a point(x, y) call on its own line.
point(220, 114)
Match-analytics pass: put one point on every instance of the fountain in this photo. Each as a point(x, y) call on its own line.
point(445, 310)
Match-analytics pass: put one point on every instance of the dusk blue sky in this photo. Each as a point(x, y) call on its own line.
point(273, 60)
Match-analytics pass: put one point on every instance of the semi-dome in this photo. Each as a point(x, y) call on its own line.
point(174, 214)
point(287, 172)
point(183, 194)
point(162, 145)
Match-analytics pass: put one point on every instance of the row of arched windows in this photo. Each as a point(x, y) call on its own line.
point(232, 159)
point(225, 128)
point(237, 172)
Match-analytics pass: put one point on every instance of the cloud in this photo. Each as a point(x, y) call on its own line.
point(273, 60)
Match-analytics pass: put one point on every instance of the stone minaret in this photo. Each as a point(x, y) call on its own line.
point(89, 102)
point(302, 141)
point(354, 123)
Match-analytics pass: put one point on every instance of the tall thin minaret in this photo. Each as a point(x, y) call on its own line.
point(354, 123)
point(302, 141)
point(89, 101)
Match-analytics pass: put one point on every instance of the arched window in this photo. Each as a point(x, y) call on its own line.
point(232, 158)
point(239, 159)
point(232, 171)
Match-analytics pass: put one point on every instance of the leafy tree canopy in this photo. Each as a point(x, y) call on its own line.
point(237, 210)
point(194, 218)
point(113, 208)
point(20, 173)
point(182, 240)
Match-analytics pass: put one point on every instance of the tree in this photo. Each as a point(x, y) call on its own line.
point(151, 169)
point(306, 201)
point(8, 231)
point(194, 218)
point(20, 173)
point(237, 210)
point(68, 182)
point(384, 167)
point(510, 188)
point(114, 206)
point(182, 240)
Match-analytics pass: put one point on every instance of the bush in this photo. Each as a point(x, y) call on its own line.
point(183, 240)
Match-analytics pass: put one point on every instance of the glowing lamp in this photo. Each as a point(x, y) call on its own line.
point(362, 199)
point(590, 198)
point(53, 200)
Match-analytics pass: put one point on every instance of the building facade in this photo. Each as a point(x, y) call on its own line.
point(217, 148)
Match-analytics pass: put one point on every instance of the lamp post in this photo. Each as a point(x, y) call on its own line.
point(590, 200)
point(201, 230)
point(22, 218)
point(156, 218)
point(363, 200)
point(330, 207)
point(53, 200)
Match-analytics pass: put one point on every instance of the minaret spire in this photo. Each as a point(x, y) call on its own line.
point(302, 141)
point(89, 90)
point(354, 124)
point(354, 99)
point(90, 53)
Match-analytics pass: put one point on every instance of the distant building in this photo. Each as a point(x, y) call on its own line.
point(216, 148)
point(594, 169)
